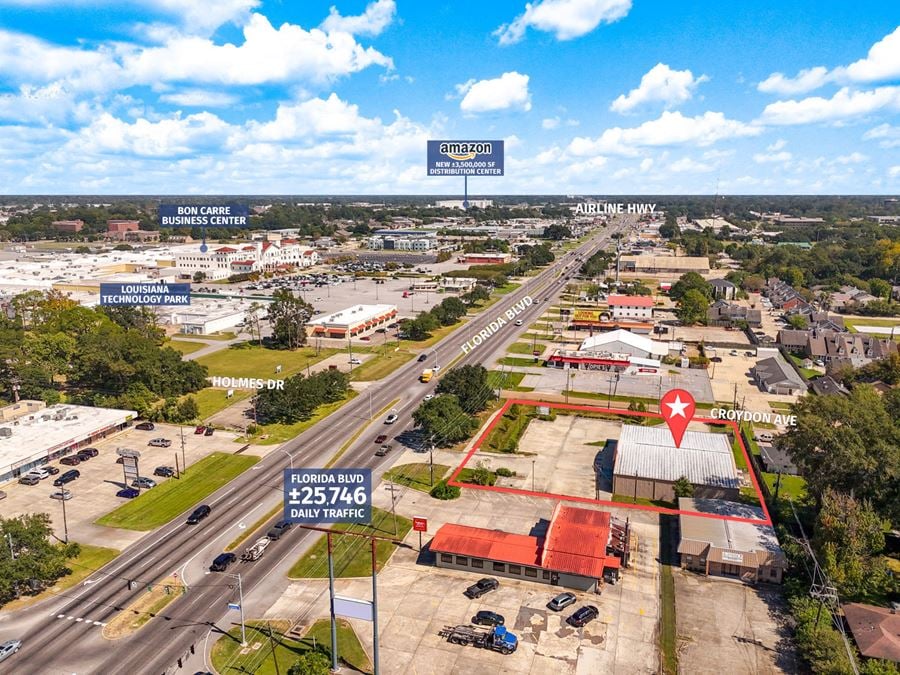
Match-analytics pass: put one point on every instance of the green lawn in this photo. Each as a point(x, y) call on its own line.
point(89, 559)
point(504, 379)
point(161, 504)
point(623, 499)
point(793, 487)
point(227, 657)
point(210, 401)
point(256, 361)
point(874, 321)
point(380, 366)
point(437, 335)
point(417, 476)
point(214, 336)
point(739, 460)
point(808, 373)
point(523, 348)
point(279, 433)
point(668, 629)
point(516, 361)
point(352, 555)
point(184, 347)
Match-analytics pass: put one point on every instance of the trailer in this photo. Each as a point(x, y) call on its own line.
point(497, 638)
point(255, 552)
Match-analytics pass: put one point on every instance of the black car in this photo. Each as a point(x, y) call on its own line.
point(486, 618)
point(481, 587)
point(222, 561)
point(583, 616)
point(67, 477)
point(199, 514)
point(87, 453)
point(278, 529)
point(74, 460)
point(52, 470)
point(145, 426)
point(209, 431)
point(29, 480)
point(423, 357)
point(164, 471)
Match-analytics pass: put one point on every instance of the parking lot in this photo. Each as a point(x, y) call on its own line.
point(416, 600)
point(728, 622)
point(734, 370)
point(645, 385)
point(94, 492)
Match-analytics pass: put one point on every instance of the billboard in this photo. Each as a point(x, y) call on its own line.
point(204, 215)
point(588, 315)
point(314, 496)
point(465, 158)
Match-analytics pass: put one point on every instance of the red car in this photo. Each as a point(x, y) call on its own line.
point(381, 438)
point(199, 430)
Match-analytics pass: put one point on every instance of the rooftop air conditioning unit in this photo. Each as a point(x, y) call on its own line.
point(5, 433)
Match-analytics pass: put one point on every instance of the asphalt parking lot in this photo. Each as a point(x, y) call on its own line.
point(416, 600)
point(729, 622)
point(734, 370)
point(94, 492)
point(694, 380)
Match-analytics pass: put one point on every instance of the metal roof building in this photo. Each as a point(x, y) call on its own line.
point(647, 463)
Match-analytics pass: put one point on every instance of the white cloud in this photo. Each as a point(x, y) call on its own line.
point(888, 136)
point(894, 171)
point(671, 128)
point(507, 92)
point(777, 145)
point(844, 104)
point(376, 17)
point(550, 123)
point(51, 104)
point(314, 118)
point(660, 83)
point(688, 165)
point(882, 64)
point(199, 98)
point(566, 19)
point(773, 157)
point(852, 158)
point(646, 164)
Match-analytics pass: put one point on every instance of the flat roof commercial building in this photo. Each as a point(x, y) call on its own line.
point(36, 438)
point(352, 321)
point(647, 464)
point(580, 546)
point(485, 258)
point(729, 548)
point(625, 342)
point(652, 264)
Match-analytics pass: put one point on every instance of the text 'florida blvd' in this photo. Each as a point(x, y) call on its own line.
point(481, 336)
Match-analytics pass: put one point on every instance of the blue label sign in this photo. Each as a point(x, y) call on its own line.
point(465, 158)
point(150, 293)
point(204, 215)
point(327, 496)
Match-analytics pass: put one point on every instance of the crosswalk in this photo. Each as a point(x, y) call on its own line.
point(79, 619)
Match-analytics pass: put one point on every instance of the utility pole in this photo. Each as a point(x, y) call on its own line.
point(272, 647)
point(65, 522)
point(431, 461)
point(532, 475)
point(377, 667)
point(350, 350)
point(183, 462)
point(334, 652)
point(12, 554)
point(392, 487)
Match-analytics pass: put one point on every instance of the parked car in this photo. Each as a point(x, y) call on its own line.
point(2, 494)
point(423, 357)
point(733, 352)
point(143, 482)
point(52, 470)
point(29, 479)
point(164, 471)
point(583, 616)
point(199, 430)
point(87, 453)
point(222, 561)
point(64, 495)
point(381, 438)
point(9, 648)
point(209, 431)
point(199, 514)
point(486, 618)
point(480, 587)
point(561, 601)
point(383, 450)
point(355, 361)
point(67, 477)
point(145, 426)
point(160, 443)
point(390, 419)
point(73, 460)
point(128, 493)
point(39, 472)
point(278, 529)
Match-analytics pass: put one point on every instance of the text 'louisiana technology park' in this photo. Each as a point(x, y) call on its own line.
point(481, 336)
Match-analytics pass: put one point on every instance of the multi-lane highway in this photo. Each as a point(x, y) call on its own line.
point(63, 635)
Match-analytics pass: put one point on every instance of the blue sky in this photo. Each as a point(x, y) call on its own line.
point(591, 96)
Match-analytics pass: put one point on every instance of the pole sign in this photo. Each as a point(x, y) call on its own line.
point(420, 525)
point(314, 496)
point(465, 158)
point(204, 215)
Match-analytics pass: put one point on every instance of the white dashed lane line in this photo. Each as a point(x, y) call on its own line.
point(79, 619)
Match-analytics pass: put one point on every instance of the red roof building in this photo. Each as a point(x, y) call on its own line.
point(573, 553)
point(631, 306)
point(875, 629)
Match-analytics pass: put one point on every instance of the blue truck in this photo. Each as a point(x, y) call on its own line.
point(497, 638)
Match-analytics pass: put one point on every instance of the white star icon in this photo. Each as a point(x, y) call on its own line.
point(678, 407)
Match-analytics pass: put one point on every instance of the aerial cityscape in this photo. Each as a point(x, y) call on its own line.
point(449, 338)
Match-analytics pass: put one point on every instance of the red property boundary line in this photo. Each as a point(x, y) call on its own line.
point(615, 411)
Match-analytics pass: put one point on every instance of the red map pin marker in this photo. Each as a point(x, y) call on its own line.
point(677, 407)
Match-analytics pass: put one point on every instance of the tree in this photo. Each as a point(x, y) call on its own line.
point(419, 328)
point(690, 281)
point(481, 475)
point(311, 663)
point(683, 487)
point(444, 491)
point(288, 315)
point(300, 396)
point(798, 321)
point(669, 230)
point(29, 560)
point(470, 386)
point(187, 410)
point(880, 288)
point(199, 277)
point(557, 232)
point(444, 420)
point(692, 307)
point(123, 247)
point(477, 294)
point(251, 319)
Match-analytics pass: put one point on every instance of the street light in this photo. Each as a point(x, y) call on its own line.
point(240, 606)
point(532, 475)
point(290, 456)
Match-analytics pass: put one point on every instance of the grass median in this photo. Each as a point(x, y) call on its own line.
point(416, 476)
point(161, 504)
point(380, 366)
point(352, 555)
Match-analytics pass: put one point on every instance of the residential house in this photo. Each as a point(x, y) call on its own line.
point(875, 630)
point(775, 376)
point(829, 346)
point(828, 386)
point(723, 289)
point(849, 297)
point(722, 313)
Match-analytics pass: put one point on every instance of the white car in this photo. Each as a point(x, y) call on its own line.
point(390, 419)
point(39, 473)
point(355, 361)
point(518, 322)
point(428, 397)
point(435, 368)
point(9, 648)
point(64, 495)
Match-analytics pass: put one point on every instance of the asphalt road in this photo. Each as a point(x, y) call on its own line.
point(64, 635)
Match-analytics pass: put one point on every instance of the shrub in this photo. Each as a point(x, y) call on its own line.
point(444, 491)
point(504, 472)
